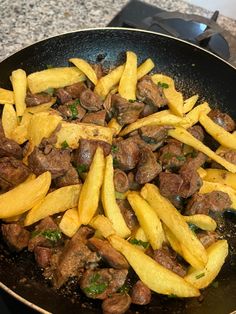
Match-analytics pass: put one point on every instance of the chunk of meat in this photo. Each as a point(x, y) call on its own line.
point(69, 178)
point(15, 236)
point(229, 155)
point(72, 110)
point(62, 95)
point(154, 133)
point(10, 148)
point(95, 117)
point(98, 69)
point(87, 148)
point(126, 155)
point(128, 214)
point(114, 258)
point(141, 294)
point(126, 112)
point(197, 131)
point(75, 90)
point(207, 238)
point(170, 184)
point(36, 99)
point(90, 100)
point(12, 172)
point(203, 203)
point(133, 185)
point(42, 256)
point(121, 181)
point(150, 93)
point(136, 138)
point(147, 110)
point(148, 168)
point(171, 155)
point(222, 119)
point(99, 284)
point(117, 303)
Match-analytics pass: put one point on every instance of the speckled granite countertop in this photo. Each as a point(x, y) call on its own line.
point(23, 22)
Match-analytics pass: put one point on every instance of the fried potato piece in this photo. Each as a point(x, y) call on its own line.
point(109, 81)
point(221, 176)
point(42, 107)
point(103, 225)
point(145, 68)
point(128, 80)
point(24, 196)
point(175, 222)
point(6, 97)
point(217, 253)
point(203, 222)
point(70, 222)
point(139, 234)
point(9, 120)
point(113, 124)
point(72, 132)
point(185, 137)
point(111, 208)
point(190, 103)
point(86, 68)
point(175, 99)
point(192, 117)
point(54, 78)
point(217, 132)
point(19, 83)
point(55, 202)
point(202, 172)
point(148, 220)
point(90, 192)
point(152, 274)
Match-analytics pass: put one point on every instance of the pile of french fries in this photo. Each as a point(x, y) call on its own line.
point(159, 220)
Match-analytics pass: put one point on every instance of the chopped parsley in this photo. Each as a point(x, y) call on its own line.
point(49, 91)
point(74, 109)
point(162, 85)
point(52, 235)
point(115, 162)
point(192, 227)
point(139, 242)
point(200, 276)
point(120, 196)
point(114, 149)
point(81, 168)
point(180, 158)
point(64, 145)
point(96, 286)
point(132, 100)
point(124, 289)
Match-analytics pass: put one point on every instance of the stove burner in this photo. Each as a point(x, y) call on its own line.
point(190, 27)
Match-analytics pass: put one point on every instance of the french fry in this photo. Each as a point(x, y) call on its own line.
point(113, 124)
point(192, 117)
point(9, 120)
point(202, 172)
point(203, 222)
point(103, 225)
point(128, 80)
point(42, 107)
point(111, 208)
point(24, 196)
point(139, 234)
point(152, 274)
point(54, 78)
point(109, 81)
point(145, 68)
point(70, 222)
point(148, 220)
point(175, 222)
point(19, 83)
point(90, 192)
point(55, 202)
point(185, 137)
point(86, 68)
point(217, 253)
point(217, 132)
point(220, 176)
point(6, 97)
point(190, 103)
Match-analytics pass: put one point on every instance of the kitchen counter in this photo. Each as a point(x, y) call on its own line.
point(24, 22)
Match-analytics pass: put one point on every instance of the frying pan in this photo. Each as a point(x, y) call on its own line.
point(195, 71)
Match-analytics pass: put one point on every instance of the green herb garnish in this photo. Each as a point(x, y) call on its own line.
point(81, 168)
point(132, 100)
point(124, 289)
point(120, 196)
point(200, 276)
point(115, 162)
point(181, 158)
point(193, 227)
point(168, 155)
point(96, 287)
point(64, 145)
point(162, 85)
point(114, 149)
point(49, 91)
point(139, 242)
point(73, 109)
point(52, 235)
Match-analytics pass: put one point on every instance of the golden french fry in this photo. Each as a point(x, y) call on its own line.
point(185, 137)
point(86, 68)
point(55, 202)
point(19, 83)
point(148, 220)
point(221, 176)
point(42, 107)
point(175, 222)
point(152, 274)
point(70, 222)
point(145, 68)
point(190, 103)
point(54, 78)
point(128, 81)
point(203, 222)
point(111, 208)
point(24, 196)
point(217, 132)
point(90, 192)
point(109, 81)
point(113, 124)
point(192, 117)
point(103, 225)
point(9, 120)
point(202, 172)
point(6, 97)
point(139, 234)
point(217, 253)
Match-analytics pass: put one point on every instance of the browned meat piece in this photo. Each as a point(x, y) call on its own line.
point(170, 184)
point(98, 70)
point(72, 110)
point(95, 117)
point(42, 256)
point(192, 164)
point(148, 168)
point(229, 155)
point(133, 185)
point(128, 214)
point(12, 172)
point(207, 238)
point(9, 148)
point(90, 100)
point(171, 155)
point(75, 90)
point(36, 99)
point(126, 155)
point(141, 294)
point(222, 119)
point(136, 138)
point(63, 95)
point(197, 132)
point(69, 178)
point(114, 258)
point(15, 236)
point(117, 303)
point(154, 133)
point(203, 203)
point(87, 148)
point(121, 181)
point(126, 112)
point(147, 110)
point(99, 284)
point(150, 93)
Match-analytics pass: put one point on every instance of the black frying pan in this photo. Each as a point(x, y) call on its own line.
point(195, 71)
